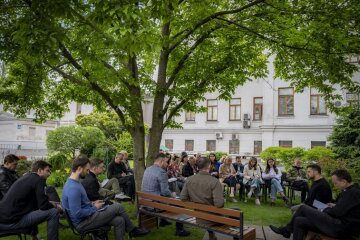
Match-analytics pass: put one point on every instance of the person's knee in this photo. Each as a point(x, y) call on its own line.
point(118, 221)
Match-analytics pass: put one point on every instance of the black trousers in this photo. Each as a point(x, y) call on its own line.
point(128, 184)
point(307, 219)
point(303, 187)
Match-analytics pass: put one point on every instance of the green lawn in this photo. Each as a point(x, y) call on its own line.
point(254, 215)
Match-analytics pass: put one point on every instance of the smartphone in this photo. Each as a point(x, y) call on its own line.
point(108, 198)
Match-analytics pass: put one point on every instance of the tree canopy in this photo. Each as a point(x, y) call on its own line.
point(114, 54)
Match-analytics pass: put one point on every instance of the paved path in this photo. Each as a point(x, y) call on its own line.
point(262, 233)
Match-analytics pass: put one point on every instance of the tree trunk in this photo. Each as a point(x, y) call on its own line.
point(138, 135)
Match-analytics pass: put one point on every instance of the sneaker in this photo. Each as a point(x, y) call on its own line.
point(233, 200)
point(231, 195)
point(280, 230)
point(250, 193)
point(286, 200)
point(257, 201)
point(122, 196)
point(138, 232)
point(182, 233)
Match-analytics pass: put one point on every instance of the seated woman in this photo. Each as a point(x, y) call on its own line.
point(252, 179)
point(227, 174)
point(272, 175)
point(176, 181)
point(214, 165)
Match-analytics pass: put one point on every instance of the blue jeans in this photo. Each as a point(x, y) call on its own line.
point(275, 188)
point(36, 217)
point(255, 184)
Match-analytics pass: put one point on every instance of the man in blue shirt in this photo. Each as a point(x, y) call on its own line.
point(86, 215)
point(155, 181)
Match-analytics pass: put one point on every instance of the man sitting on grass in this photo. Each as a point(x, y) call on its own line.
point(339, 220)
point(86, 215)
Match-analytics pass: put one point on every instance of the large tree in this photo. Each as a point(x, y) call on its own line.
point(105, 53)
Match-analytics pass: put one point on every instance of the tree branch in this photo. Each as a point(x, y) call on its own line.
point(181, 63)
point(208, 19)
point(64, 74)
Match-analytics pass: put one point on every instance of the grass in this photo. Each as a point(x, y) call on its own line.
point(254, 215)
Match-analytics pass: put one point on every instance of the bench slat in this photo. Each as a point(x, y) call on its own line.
point(198, 214)
point(197, 206)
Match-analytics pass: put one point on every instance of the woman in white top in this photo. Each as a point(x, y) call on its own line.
point(272, 175)
point(252, 178)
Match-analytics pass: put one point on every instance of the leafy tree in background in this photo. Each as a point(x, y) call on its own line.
point(286, 156)
point(106, 53)
point(69, 139)
point(345, 139)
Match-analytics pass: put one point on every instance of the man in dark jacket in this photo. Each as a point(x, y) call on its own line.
point(190, 167)
point(26, 205)
point(297, 178)
point(7, 174)
point(111, 188)
point(117, 169)
point(339, 220)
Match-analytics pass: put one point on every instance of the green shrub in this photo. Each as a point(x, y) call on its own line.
point(23, 167)
point(59, 160)
point(58, 177)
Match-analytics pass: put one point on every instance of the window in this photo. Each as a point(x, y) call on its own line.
point(189, 145)
point(353, 99)
point(189, 116)
point(286, 101)
point(257, 147)
point(169, 144)
point(234, 146)
point(211, 145)
point(318, 144)
point(235, 109)
point(258, 108)
point(285, 144)
point(78, 108)
point(32, 132)
point(354, 59)
point(317, 103)
point(212, 110)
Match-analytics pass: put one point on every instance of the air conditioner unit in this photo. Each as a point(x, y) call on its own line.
point(246, 124)
point(246, 116)
point(338, 104)
point(219, 135)
point(234, 136)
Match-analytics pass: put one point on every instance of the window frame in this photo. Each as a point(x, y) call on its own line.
point(353, 103)
point(318, 96)
point(190, 120)
point(286, 96)
point(234, 105)
point(256, 147)
point(319, 145)
point(285, 146)
point(193, 143)
point(207, 146)
point(254, 104)
point(236, 147)
point(212, 107)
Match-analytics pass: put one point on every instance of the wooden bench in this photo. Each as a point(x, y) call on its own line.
point(226, 221)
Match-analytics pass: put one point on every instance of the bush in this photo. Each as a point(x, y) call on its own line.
point(285, 156)
point(23, 167)
point(317, 153)
point(58, 177)
point(59, 160)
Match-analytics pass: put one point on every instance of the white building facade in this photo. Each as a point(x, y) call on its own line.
point(261, 113)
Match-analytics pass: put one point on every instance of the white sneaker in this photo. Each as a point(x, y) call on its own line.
point(233, 199)
point(250, 193)
point(231, 195)
point(257, 201)
point(122, 196)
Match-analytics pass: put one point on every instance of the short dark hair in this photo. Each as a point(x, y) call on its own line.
point(314, 167)
point(95, 162)
point(238, 157)
point(40, 164)
point(11, 158)
point(79, 161)
point(203, 163)
point(159, 156)
point(342, 174)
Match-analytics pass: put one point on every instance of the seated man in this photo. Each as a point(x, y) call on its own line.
point(297, 178)
point(92, 187)
point(86, 215)
point(320, 189)
point(339, 220)
point(239, 168)
point(26, 205)
point(190, 167)
point(155, 181)
point(205, 189)
point(7, 174)
point(117, 169)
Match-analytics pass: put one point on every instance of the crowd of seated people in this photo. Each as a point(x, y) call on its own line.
point(83, 195)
